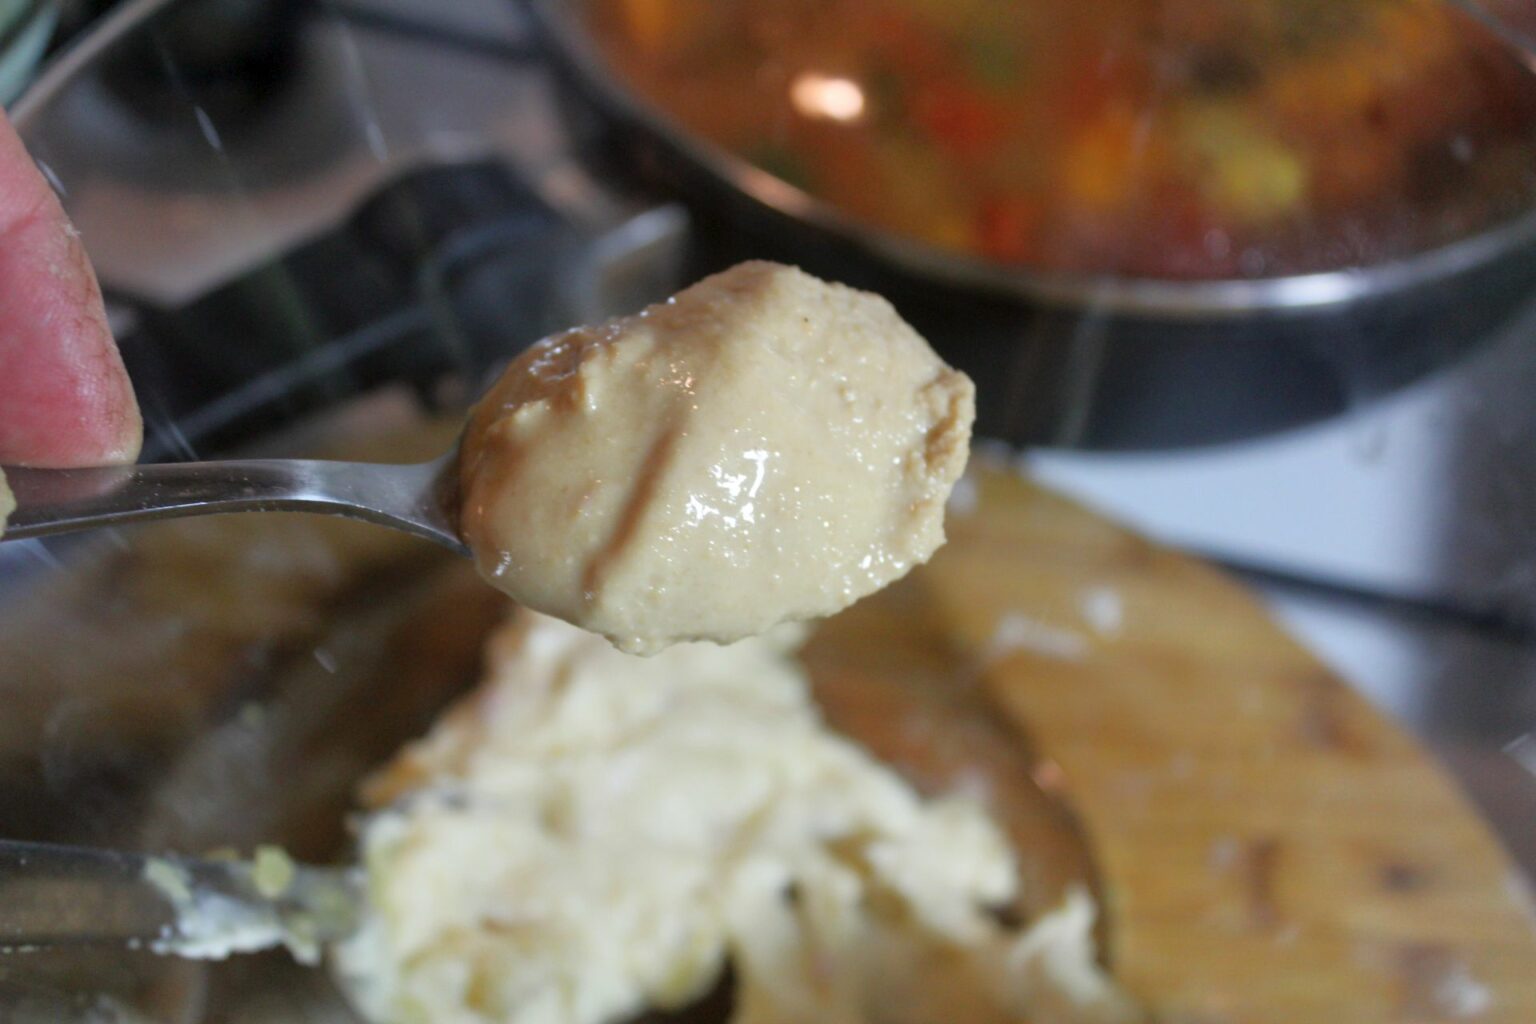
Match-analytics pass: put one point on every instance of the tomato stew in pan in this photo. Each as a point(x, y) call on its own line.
point(1177, 139)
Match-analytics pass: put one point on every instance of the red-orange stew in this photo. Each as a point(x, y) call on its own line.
point(1163, 138)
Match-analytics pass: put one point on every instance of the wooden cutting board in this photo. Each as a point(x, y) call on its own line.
point(1268, 848)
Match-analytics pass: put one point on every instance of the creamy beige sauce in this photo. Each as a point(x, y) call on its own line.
point(762, 447)
point(593, 834)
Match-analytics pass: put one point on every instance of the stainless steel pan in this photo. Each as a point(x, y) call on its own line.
point(1101, 361)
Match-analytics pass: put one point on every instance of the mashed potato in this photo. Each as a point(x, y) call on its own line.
point(593, 834)
point(762, 447)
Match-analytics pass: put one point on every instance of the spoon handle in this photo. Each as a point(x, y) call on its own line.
point(413, 498)
point(56, 895)
point(52, 895)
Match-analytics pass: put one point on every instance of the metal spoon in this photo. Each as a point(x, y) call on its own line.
point(420, 499)
point(204, 909)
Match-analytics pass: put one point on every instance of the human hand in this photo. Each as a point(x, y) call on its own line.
point(65, 399)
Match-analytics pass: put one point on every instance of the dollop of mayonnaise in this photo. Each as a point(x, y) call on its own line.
point(762, 447)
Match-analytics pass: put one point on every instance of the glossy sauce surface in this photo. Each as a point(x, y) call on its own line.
point(762, 447)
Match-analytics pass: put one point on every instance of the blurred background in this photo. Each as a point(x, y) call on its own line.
point(1256, 279)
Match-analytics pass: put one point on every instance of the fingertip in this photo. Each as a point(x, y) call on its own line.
point(65, 396)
